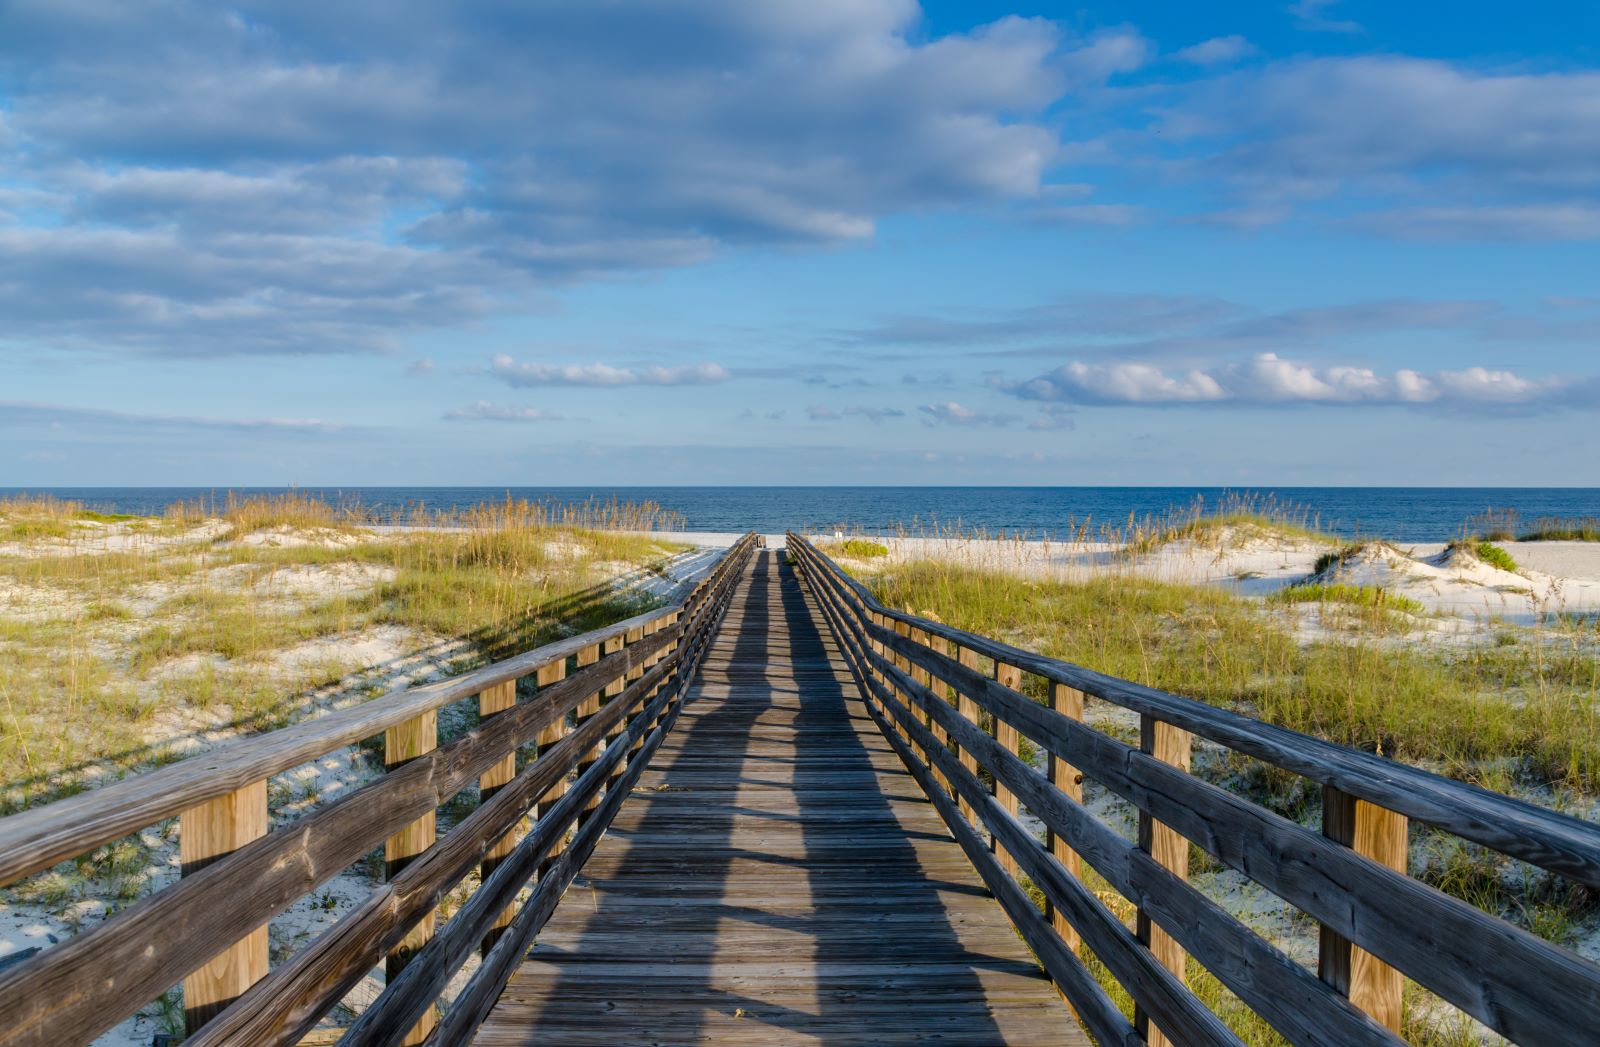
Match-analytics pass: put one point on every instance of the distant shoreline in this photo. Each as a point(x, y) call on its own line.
point(1405, 514)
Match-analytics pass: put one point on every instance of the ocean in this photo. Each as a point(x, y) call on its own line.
point(1414, 514)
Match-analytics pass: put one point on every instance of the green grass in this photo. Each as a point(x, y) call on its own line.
point(1488, 552)
point(98, 682)
point(856, 548)
point(1513, 718)
point(1355, 595)
point(1563, 529)
point(1536, 704)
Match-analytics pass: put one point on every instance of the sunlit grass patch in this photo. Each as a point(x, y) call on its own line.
point(1355, 595)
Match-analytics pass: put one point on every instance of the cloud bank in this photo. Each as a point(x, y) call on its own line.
point(1267, 380)
point(527, 375)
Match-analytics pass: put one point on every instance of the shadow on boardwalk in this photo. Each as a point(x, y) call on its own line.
point(777, 879)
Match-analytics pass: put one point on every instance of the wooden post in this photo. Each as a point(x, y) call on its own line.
point(969, 712)
point(401, 744)
point(207, 832)
point(587, 709)
point(1010, 740)
point(1380, 834)
point(925, 678)
point(1170, 849)
point(493, 700)
point(1067, 701)
point(548, 736)
point(904, 665)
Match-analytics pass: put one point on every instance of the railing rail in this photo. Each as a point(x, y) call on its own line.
point(603, 721)
point(952, 704)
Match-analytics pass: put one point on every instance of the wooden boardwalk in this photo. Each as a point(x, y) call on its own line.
point(777, 878)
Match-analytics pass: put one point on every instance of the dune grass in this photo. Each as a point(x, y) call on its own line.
point(1354, 595)
point(1535, 704)
point(103, 654)
point(856, 548)
point(1504, 525)
point(1519, 718)
point(1487, 551)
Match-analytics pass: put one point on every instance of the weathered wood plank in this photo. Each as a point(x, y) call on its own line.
point(1503, 976)
point(777, 859)
point(1538, 835)
point(206, 834)
point(1375, 833)
point(34, 840)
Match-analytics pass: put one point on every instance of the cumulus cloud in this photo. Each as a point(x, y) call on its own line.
point(951, 413)
point(526, 375)
point(1268, 380)
point(484, 411)
point(474, 153)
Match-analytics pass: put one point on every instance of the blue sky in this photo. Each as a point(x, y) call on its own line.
point(831, 241)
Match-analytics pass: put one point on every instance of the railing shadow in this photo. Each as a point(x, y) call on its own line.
point(766, 814)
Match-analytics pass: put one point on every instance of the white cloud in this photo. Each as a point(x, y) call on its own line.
point(1219, 50)
point(486, 150)
point(1312, 15)
point(525, 375)
point(951, 413)
point(1268, 380)
point(485, 411)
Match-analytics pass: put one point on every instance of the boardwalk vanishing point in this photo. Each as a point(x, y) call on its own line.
point(777, 811)
point(778, 878)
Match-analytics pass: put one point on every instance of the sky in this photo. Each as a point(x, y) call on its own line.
point(620, 242)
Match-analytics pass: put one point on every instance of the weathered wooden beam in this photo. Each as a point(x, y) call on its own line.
point(1538, 835)
point(494, 700)
point(1067, 701)
point(34, 840)
point(552, 734)
point(401, 745)
point(1008, 738)
point(1375, 833)
point(207, 833)
point(1170, 745)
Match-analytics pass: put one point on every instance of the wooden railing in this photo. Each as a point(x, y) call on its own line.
point(952, 704)
point(604, 702)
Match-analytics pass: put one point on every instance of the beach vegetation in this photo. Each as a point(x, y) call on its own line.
point(1355, 595)
point(857, 548)
point(122, 647)
point(1485, 551)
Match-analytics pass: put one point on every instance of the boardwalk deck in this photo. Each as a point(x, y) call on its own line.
point(777, 879)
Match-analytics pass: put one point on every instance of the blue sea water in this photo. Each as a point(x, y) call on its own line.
point(1415, 514)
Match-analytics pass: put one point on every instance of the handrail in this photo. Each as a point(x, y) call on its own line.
point(237, 875)
point(948, 720)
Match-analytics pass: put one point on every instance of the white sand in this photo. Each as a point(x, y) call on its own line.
point(1553, 579)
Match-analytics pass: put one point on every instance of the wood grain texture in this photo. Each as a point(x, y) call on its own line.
point(401, 745)
point(1523, 987)
point(1167, 847)
point(1381, 835)
point(1068, 701)
point(1008, 738)
point(494, 700)
point(1538, 835)
point(206, 833)
point(34, 840)
point(777, 878)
